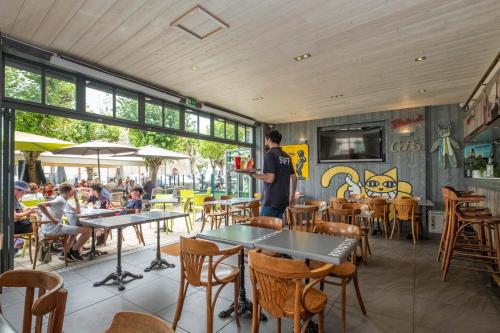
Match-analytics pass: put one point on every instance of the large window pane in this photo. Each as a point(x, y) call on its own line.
point(191, 122)
point(241, 133)
point(23, 81)
point(230, 130)
point(219, 128)
point(60, 89)
point(204, 125)
point(99, 98)
point(153, 112)
point(171, 117)
point(249, 134)
point(127, 105)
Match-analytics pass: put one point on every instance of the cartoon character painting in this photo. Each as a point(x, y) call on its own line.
point(375, 185)
point(299, 154)
point(445, 143)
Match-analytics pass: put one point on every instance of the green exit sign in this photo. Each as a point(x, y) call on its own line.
point(193, 102)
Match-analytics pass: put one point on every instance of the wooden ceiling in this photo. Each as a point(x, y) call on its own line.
point(363, 50)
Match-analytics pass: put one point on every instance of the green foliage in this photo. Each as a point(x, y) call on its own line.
point(60, 93)
point(23, 84)
point(214, 152)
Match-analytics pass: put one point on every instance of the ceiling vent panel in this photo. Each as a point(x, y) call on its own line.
point(199, 22)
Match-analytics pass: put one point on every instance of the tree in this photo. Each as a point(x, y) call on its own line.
point(214, 153)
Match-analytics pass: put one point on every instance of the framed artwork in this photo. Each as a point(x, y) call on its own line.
point(300, 159)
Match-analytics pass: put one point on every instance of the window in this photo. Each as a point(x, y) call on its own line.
point(191, 122)
point(249, 134)
point(204, 125)
point(171, 117)
point(219, 128)
point(99, 98)
point(153, 110)
point(127, 105)
point(241, 133)
point(23, 81)
point(230, 130)
point(60, 90)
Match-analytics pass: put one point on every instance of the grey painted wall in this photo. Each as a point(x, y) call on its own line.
point(411, 165)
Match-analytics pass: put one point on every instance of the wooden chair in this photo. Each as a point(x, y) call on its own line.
point(253, 211)
point(404, 210)
point(257, 195)
point(337, 202)
point(116, 199)
point(278, 288)
point(346, 271)
point(51, 298)
point(322, 208)
point(380, 209)
point(267, 222)
point(364, 225)
point(232, 211)
point(199, 269)
point(210, 213)
point(301, 218)
point(28, 241)
point(137, 322)
point(343, 215)
point(47, 240)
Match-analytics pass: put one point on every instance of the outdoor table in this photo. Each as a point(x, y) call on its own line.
point(123, 221)
point(164, 201)
point(246, 236)
point(5, 326)
point(90, 214)
point(229, 203)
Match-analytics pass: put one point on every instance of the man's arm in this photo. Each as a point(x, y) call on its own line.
point(293, 185)
point(43, 207)
point(266, 177)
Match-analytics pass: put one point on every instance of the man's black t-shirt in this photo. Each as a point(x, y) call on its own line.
point(277, 193)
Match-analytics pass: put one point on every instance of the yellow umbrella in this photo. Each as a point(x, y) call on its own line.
point(32, 142)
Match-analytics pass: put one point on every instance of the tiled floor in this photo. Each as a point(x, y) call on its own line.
point(400, 285)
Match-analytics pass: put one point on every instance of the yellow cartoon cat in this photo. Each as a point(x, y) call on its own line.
point(384, 185)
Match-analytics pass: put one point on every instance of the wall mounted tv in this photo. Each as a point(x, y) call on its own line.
point(351, 143)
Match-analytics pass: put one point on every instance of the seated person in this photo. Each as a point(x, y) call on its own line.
point(53, 212)
point(97, 198)
point(134, 204)
point(148, 189)
point(33, 193)
point(48, 190)
point(111, 185)
point(22, 224)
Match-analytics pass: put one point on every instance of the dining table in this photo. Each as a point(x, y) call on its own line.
point(229, 203)
point(164, 202)
point(92, 213)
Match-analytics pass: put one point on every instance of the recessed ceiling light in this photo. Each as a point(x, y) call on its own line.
point(423, 91)
point(195, 67)
point(258, 98)
point(422, 58)
point(336, 96)
point(294, 113)
point(302, 57)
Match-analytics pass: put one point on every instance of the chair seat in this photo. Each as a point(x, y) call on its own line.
point(315, 300)
point(343, 270)
point(223, 272)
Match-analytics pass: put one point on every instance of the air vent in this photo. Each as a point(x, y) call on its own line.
point(199, 22)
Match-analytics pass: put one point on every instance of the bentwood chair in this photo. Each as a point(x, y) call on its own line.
point(301, 218)
point(45, 239)
point(337, 202)
point(51, 298)
point(404, 210)
point(267, 222)
point(345, 272)
point(137, 322)
point(322, 208)
point(343, 215)
point(380, 209)
point(253, 210)
point(364, 225)
point(278, 288)
point(211, 214)
point(200, 269)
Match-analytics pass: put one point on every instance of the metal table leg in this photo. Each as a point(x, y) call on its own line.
point(119, 276)
point(93, 252)
point(158, 261)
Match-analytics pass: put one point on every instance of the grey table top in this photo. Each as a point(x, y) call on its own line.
point(237, 234)
point(123, 221)
point(308, 245)
point(91, 213)
point(231, 202)
point(164, 201)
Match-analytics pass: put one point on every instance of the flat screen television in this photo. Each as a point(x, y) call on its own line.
point(351, 143)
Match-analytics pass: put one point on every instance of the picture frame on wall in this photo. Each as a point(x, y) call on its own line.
point(299, 154)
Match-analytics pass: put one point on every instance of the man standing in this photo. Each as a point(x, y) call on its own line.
point(278, 174)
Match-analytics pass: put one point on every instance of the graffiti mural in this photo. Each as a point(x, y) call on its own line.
point(300, 159)
point(375, 185)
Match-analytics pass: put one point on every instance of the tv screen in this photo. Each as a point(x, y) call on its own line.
point(350, 144)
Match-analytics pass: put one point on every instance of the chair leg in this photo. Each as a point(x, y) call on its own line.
point(180, 303)
point(321, 321)
point(296, 323)
point(29, 249)
point(413, 231)
point(358, 293)
point(210, 311)
point(236, 306)
point(37, 247)
point(344, 304)
point(393, 227)
point(255, 317)
point(278, 324)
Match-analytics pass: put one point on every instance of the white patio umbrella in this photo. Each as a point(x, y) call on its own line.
point(96, 148)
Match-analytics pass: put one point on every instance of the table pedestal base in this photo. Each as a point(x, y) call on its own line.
point(119, 278)
point(160, 263)
point(94, 253)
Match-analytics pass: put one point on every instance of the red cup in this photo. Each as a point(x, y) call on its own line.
point(237, 162)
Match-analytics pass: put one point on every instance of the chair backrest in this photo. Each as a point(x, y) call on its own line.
point(208, 208)
point(338, 229)
point(253, 207)
point(116, 199)
point(51, 297)
point(337, 202)
point(271, 278)
point(187, 205)
point(225, 197)
point(379, 206)
point(322, 207)
point(184, 194)
point(194, 253)
point(137, 322)
point(404, 209)
point(344, 215)
point(301, 218)
point(267, 222)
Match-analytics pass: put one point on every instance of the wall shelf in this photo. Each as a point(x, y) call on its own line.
point(486, 133)
point(486, 183)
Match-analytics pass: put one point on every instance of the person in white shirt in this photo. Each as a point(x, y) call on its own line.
point(111, 185)
point(33, 194)
point(53, 211)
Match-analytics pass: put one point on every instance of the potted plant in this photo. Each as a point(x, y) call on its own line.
point(478, 167)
